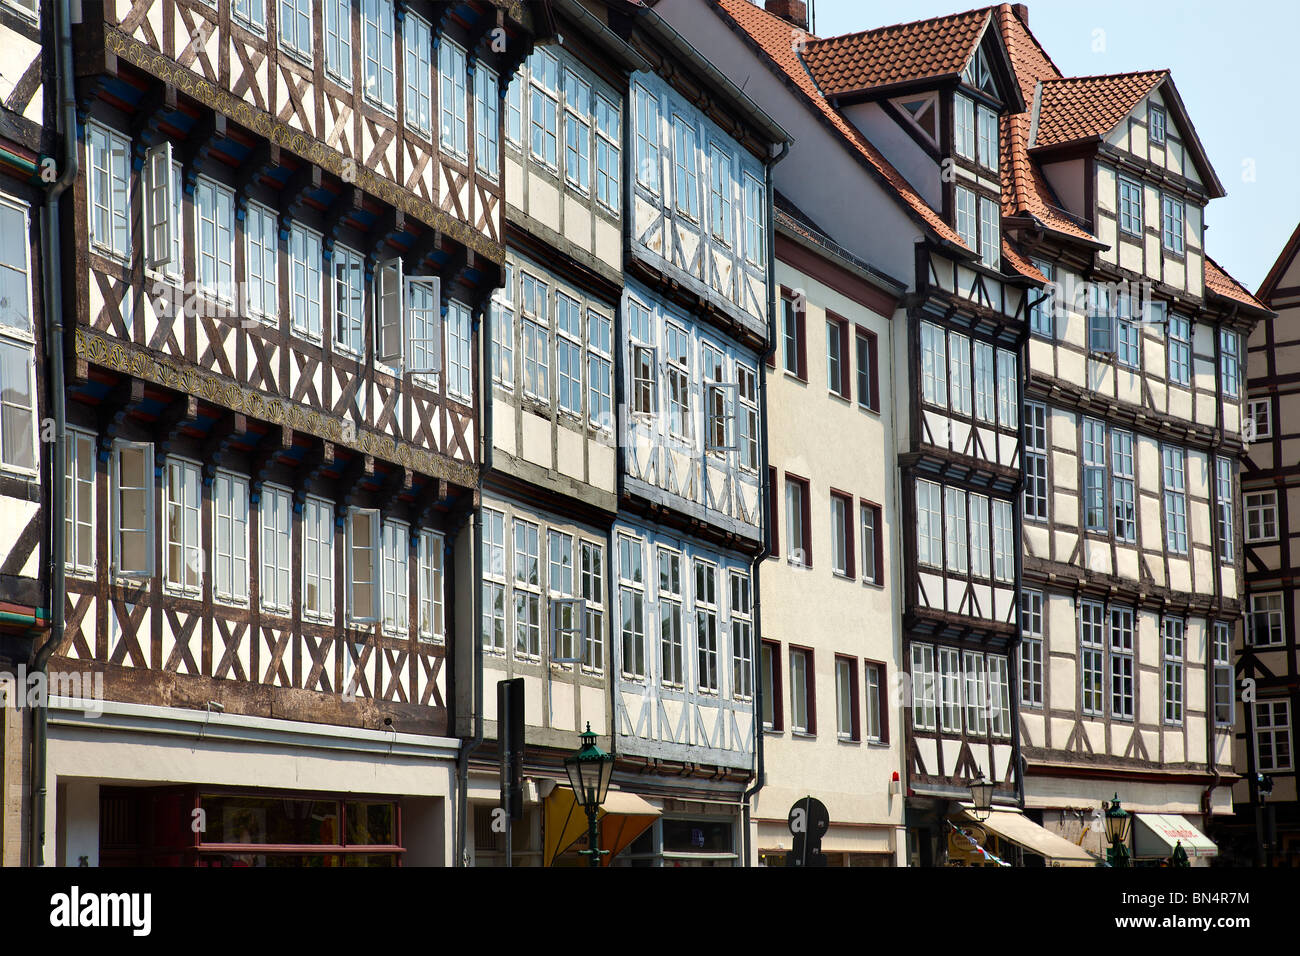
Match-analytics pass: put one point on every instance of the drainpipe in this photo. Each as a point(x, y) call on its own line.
point(52, 279)
point(765, 508)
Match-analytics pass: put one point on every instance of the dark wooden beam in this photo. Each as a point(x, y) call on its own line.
point(277, 440)
point(218, 441)
point(117, 406)
point(183, 410)
point(319, 457)
point(197, 149)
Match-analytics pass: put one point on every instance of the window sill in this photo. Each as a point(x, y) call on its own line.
point(868, 408)
point(842, 575)
point(847, 740)
point(874, 585)
point(803, 734)
point(801, 379)
point(840, 396)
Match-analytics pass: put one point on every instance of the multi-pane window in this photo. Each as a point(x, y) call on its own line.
point(755, 220)
point(959, 373)
point(631, 586)
point(1230, 362)
point(593, 594)
point(875, 726)
point(295, 27)
point(1259, 419)
point(1224, 502)
point(977, 710)
point(182, 544)
point(923, 689)
point(131, 509)
point(363, 555)
point(670, 617)
point(802, 718)
point(1035, 459)
point(964, 122)
point(536, 335)
point(965, 220)
point(1272, 735)
point(318, 560)
point(17, 352)
point(79, 500)
point(999, 696)
point(1041, 312)
point(1092, 651)
point(929, 525)
point(108, 178)
point(1122, 485)
point(261, 267)
point(1264, 622)
point(956, 541)
point(981, 539)
point(678, 354)
point(515, 109)
point(566, 628)
point(230, 538)
point(1156, 118)
point(608, 137)
point(577, 131)
point(460, 385)
point(686, 186)
point(747, 417)
point(338, 39)
point(990, 247)
point(950, 690)
point(349, 301)
point(544, 107)
point(599, 370)
point(1130, 206)
point(1031, 648)
point(1121, 662)
point(503, 331)
point(164, 209)
point(377, 50)
point(417, 38)
point(494, 581)
point(1175, 499)
point(1221, 659)
point(841, 535)
point(1261, 515)
point(250, 13)
point(1180, 350)
point(1094, 475)
point(305, 281)
point(988, 138)
point(934, 380)
point(486, 152)
point(1008, 391)
point(846, 699)
point(453, 102)
point(527, 590)
point(1128, 341)
point(274, 545)
point(1173, 231)
point(793, 316)
point(214, 206)
point(1004, 549)
point(395, 576)
point(706, 626)
point(568, 352)
point(872, 546)
point(720, 194)
point(1173, 640)
point(647, 138)
point(430, 606)
point(985, 399)
point(1101, 322)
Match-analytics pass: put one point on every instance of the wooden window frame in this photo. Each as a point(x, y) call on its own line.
point(810, 690)
point(777, 690)
point(801, 334)
point(840, 328)
point(849, 538)
point(805, 518)
point(882, 691)
point(855, 700)
point(871, 400)
point(878, 547)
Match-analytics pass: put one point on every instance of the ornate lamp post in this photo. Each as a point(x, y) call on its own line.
point(1118, 822)
point(981, 795)
point(589, 771)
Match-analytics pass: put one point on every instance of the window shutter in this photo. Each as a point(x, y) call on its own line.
point(801, 332)
point(159, 204)
point(772, 511)
point(390, 309)
point(423, 324)
point(873, 347)
point(846, 360)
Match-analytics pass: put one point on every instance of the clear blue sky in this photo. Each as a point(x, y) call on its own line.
point(1234, 63)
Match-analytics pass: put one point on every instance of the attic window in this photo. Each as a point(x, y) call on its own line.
point(1157, 122)
point(978, 75)
point(922, 113)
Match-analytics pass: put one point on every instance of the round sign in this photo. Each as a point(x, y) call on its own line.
point(809, 817)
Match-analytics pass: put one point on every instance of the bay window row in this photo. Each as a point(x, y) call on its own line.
point(964, 532)
point(956, 691)
point(961, 374)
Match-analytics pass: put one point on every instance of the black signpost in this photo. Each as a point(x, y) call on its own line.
point(808, 822)
point(510, 734)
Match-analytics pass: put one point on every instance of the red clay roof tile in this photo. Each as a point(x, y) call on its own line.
point(1087, 107)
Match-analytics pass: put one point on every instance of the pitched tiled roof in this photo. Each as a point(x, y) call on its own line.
point(895, 54)
point(774, 36)
point(1087, 107)
point(1219, 282)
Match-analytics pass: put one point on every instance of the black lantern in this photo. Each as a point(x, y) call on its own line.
point(1118, 823)
point(589, 771)
point(981, 795)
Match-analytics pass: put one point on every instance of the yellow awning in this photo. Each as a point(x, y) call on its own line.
point(623, 817)
point(1019, 829)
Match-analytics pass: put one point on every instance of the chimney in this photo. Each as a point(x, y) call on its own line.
point(1022, 11)
point(794, 12)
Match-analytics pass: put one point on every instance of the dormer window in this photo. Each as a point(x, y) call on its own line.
point(978, 222)
point(976, 132)
point(1157, 123)
point(978, 75)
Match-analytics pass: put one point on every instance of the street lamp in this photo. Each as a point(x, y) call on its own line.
point(981, 795)
point(589, 771)
point(1118, 822)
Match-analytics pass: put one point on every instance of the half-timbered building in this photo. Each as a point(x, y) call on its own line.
point(285, 229)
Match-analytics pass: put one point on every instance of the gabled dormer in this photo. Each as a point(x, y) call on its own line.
point(930, 96)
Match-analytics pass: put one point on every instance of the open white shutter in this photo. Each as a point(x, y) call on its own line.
point(160, 204)
point(391, 306)
point(423, 324)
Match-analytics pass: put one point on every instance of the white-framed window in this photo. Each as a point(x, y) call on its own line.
point(494, 581)
point(874, 728)
point(796, 535)
point(363, 565)
point(977, 710)
point(1031, 648)
point(608, 153)
point(1156, 118)
point(706, 626)
point(1173, 642)
point(646, 109)
point(802, 718)
point(965, 220)
point(79, 499)
point(990, 247)
point(1230, 362)
point(686, 179)
point(1272, 735)
point(720, 186)
point(671, 667)
point(1130, 206)
point(108, 180)
point(424, 330)
point(131, 507)
point(593, 596)
point(1122, 484)
point(999, 696)
point(338, 40)
point(305, 281)
point(1264, 622)
point(274, 545)
point(963, 114)
point(453, 104)
point(568, 353)
point(985, 397)
point(30, 9)
point(1180, 350)
point(988, 138)
point(645, 360)
point(1259, 418)
point(1004, 548)
point(1035, 458)
point(1128, 341)
point(747, 417)
point(1092, 657)
point(183, 560)
point(929, 524)
point(981, 536)
point(846, 698)
point(755, 221)
point(214, 209)
point(261, 264)
point(349, 301)
point(959, 373)
point(923, 689)
point(1041, 313)
point(1173, 231)
point(460, 384)
point(417, 38)
point(600, 365)
point(18, 435)
point(1121, 663)
point(742, 636)
point(1094, 475)
point(632, 602)
point(950, 690)
point(957, 541)
point(503, 331)
point(1008, 391)
point(841, 536)
point(295, 27)
point(515, 109)
point(318, 560)
point(487, 157)
point(395, 576)
point(230, 570)
point(544, 105)
point(378, 79)
point(577, 131)
point(678, 372)
point(1101, 320)
point(164, 212)
point(934, 379)
point(537, 337)
point(1261, 516)
point(430, 606)
point(1225, 501)
point(565, 626)
point(1175, 499)
point(527, 590)
point(1224, 676)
